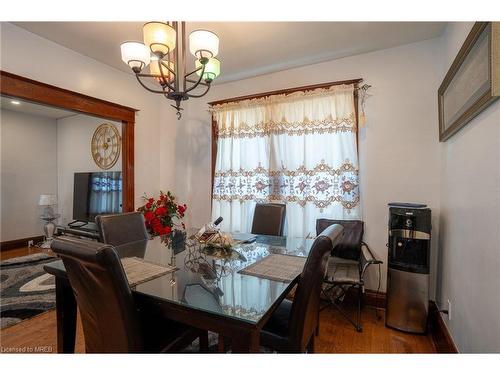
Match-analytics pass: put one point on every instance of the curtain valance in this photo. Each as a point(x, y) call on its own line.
point(320, 111)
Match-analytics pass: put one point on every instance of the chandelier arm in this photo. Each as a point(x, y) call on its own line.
point(165, 81)
point(197, 82)
point(201, 83)
point(200, 95)
point(166, 66)
point(194, 71)
point(147, 88)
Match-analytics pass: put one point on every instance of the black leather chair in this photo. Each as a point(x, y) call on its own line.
point(120, 229)
point(347, 266)
point(269, 219)
point(291, 328)
point(111, 321)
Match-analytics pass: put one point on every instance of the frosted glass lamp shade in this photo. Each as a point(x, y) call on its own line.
point(212, 69)
point(154, 69)
point(135, 54)
point(47, 200)
point(159, 37)
point(203, 43)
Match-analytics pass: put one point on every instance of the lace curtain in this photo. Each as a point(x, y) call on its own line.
point(299, 149)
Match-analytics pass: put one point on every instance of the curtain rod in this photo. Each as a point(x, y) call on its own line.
point(291, 90)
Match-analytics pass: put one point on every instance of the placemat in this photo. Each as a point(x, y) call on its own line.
point(276, 267)
point(139, 270)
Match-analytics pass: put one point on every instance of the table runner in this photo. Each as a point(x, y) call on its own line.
point(139, 271)
point(276, 267)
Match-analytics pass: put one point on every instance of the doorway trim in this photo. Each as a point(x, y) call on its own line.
point(42, 93)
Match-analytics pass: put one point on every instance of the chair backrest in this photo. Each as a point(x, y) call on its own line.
point(123, 228)
point(350, 245)
point(108, 312)
point(269, 219)
point(305, 308)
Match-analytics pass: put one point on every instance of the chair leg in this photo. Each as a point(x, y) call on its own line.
point(316, 331)
point(221, 345)
point(203, 342)
point(310, 345)
point(359, 328)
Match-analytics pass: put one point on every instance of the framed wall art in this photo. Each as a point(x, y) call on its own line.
point(473, 80)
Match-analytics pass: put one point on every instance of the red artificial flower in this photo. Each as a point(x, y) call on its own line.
point(148, 206)
point(151, 200)
point(148, 216)
point(160, 211)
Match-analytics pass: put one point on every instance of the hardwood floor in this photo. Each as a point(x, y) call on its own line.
point(337, 335)
point(22, 251)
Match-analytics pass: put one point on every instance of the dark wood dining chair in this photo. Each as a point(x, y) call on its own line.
point(269, 219)
point(292, 327)
point(111, 321)
point(119, 229)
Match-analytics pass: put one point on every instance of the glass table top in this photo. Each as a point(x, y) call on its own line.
point(206, 280)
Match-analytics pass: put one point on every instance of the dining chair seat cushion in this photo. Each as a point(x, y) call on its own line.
point(342, 271)
point(278, 323)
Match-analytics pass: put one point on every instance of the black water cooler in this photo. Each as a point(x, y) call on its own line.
point(408, 267)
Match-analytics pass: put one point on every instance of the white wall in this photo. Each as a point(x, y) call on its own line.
point(74, 135)
point(469, 241)
point(29, 168)
point(60, 66)
point(399, 148)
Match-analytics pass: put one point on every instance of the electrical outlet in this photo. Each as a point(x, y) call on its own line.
point(30, 243)
point(449, 310)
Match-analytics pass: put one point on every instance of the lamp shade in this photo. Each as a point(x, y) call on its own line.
point(203, 43)
point(212, 69)
point(135, 54)
point(47, 200)
point(159, 37)
point(154, 69)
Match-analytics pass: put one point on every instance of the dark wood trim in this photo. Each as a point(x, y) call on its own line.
point(375, 299)
point(128, 165)
point(481, 103)
point(38, 92)
point(287, 91)
point(21, 242)
point(440, 334)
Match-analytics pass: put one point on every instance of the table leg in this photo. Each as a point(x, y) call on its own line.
point(66, 316)
point(246, 342)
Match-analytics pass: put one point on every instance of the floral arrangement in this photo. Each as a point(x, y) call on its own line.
point(163, 215)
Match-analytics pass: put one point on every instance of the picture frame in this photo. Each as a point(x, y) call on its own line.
point(473, 81)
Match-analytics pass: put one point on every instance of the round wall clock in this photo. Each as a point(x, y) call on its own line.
point(106, 145)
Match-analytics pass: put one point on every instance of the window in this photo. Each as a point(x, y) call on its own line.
point(299, 149)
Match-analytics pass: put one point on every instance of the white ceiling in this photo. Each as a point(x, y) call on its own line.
point(247, 48)
point(34, 109)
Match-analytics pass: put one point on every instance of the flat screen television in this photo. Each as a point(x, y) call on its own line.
point(96, 193)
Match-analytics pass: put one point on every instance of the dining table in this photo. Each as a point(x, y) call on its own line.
point(205, 290)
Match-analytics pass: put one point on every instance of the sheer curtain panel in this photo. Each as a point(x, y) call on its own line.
point(299, 149)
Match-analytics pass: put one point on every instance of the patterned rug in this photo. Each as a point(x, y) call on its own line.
point(26, 289)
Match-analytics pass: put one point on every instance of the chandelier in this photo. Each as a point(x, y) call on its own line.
point(164, 50)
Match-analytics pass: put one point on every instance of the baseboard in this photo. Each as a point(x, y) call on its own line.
point(375, 299)
point(439, 331)
point(21, 242)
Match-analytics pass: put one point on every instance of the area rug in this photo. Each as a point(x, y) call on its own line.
point(26, 289)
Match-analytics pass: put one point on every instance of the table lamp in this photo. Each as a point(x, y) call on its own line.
point(48, 201)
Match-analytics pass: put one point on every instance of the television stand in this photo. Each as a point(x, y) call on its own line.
point(77, 224)
point(79, 230)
